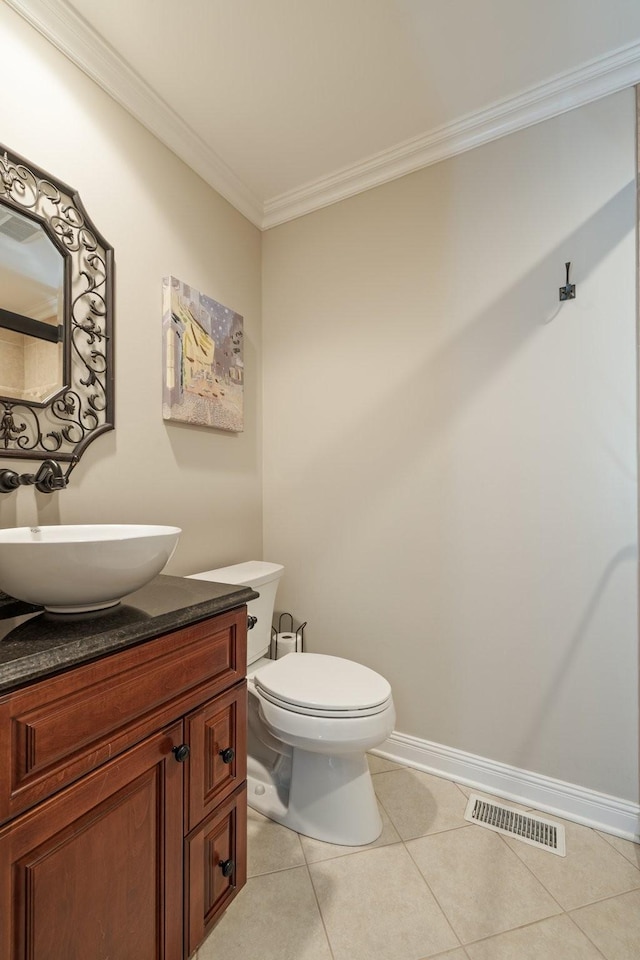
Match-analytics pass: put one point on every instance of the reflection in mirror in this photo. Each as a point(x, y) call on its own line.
point(56, 293)
point(30, 368)
point(31, 268)
point(31, 310)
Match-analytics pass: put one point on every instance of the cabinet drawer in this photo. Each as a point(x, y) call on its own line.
point(215, 866)
point(217, 736)
point(58, 729)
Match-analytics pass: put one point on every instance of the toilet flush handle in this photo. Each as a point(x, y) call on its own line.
point(251, 622)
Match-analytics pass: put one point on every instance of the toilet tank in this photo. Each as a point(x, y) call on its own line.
point(262, 577)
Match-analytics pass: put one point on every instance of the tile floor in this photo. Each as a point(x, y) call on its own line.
point(432, 886)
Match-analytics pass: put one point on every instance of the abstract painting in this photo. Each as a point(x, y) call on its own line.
point(203, 359)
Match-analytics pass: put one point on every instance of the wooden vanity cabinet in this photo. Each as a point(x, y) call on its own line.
point(123, 800)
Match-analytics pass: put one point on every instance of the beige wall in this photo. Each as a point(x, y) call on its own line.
point(450, 454)
point(161, 219)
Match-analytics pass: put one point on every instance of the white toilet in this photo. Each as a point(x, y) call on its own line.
point(312, 717)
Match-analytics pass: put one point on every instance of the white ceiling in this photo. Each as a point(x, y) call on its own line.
point(284, 106)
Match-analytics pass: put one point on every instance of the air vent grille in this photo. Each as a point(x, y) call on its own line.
point(18, 228)
point(534, 830)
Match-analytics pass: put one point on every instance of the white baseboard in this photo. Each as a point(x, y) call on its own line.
point(568, 800)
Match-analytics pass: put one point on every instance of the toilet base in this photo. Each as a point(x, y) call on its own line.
point(330, 797)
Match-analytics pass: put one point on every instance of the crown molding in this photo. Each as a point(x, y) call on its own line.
point(65, 29)
point(599, 78)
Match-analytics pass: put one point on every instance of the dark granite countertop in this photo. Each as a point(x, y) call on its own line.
point(35, 644)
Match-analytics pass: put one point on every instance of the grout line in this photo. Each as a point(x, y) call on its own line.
point(599, 899)
point(355, 851)
point(585, 934)
point(438, 956)
point(536, 878)
point(324, 926)
point(438, 833)
point(610, 896)
point(433, 833)
point(381, 804)
point(524, 926)
point(269, 873)
point(605, 837)
point(433, 894)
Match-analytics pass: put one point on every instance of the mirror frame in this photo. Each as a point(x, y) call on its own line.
point(64, 424)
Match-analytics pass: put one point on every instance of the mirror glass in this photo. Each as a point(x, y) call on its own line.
point(56, 307)
point(31, 289)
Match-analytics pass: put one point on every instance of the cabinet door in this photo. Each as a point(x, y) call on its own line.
point(217, 737)
point(216, 866)
point(96, 871)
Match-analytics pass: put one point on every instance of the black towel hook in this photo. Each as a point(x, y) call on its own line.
point(568, 292)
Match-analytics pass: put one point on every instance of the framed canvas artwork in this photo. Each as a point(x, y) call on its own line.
point(203, 359)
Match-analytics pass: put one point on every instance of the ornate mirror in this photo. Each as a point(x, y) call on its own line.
point(56, 307)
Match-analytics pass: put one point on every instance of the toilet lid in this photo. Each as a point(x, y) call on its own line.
point(305, 682)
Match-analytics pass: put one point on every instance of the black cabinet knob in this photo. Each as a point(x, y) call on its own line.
point(251, 622)
point(227, 755)
point(227, 867)
point(182, 752)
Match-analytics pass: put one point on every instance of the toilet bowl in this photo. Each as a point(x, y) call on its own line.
point(312, 717)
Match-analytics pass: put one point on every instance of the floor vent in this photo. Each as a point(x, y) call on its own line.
point(513, 823)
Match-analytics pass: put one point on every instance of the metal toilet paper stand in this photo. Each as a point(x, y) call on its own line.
point(291, 641)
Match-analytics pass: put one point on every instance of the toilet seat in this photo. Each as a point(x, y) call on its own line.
point(319, 685)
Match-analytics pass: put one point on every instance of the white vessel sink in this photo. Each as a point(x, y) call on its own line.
point(80, 567)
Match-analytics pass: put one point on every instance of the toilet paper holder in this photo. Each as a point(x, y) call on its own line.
point(286, 641)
